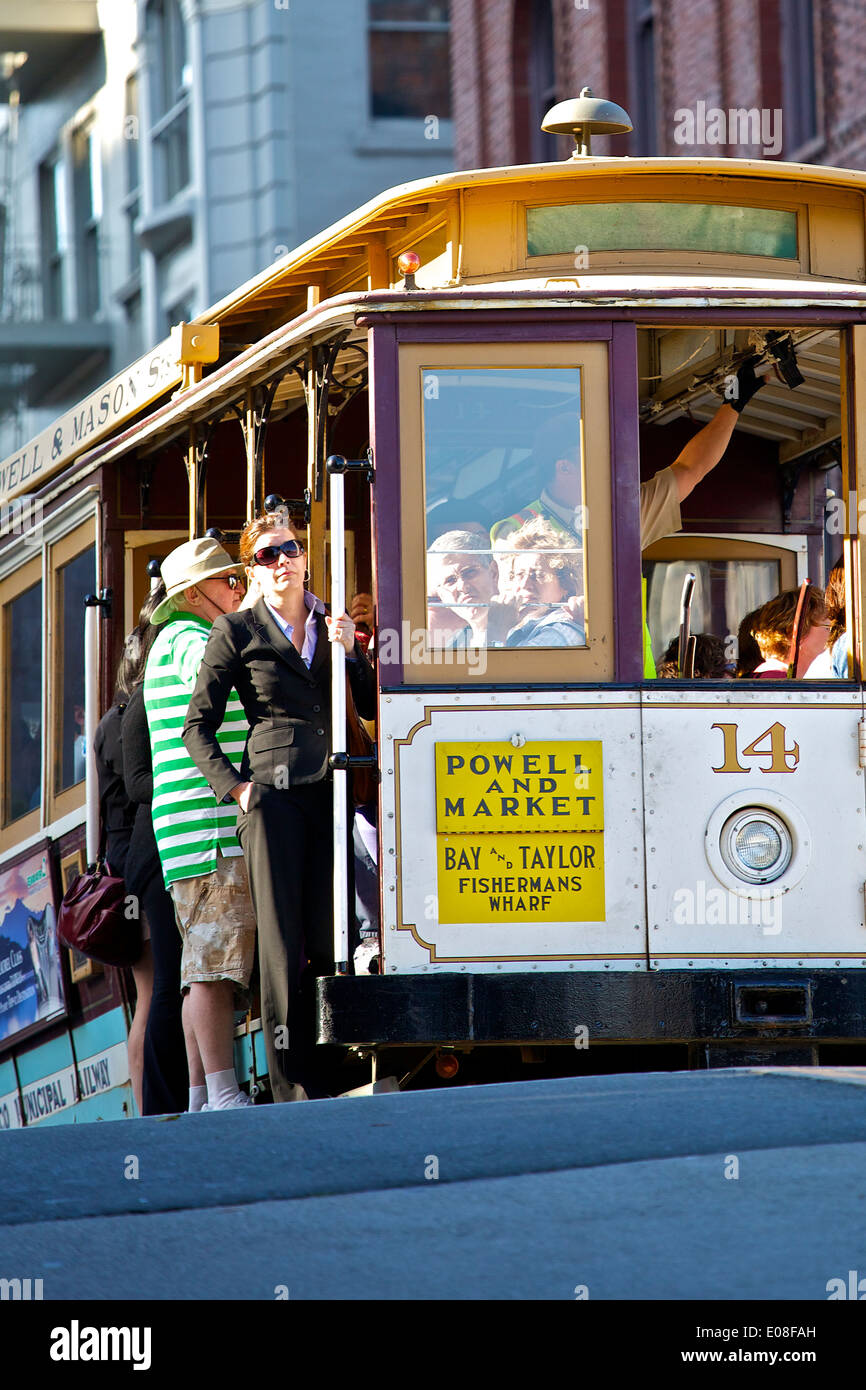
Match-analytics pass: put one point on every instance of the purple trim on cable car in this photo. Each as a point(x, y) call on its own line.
point(625, 504)
point(684, 315)
point(385, 494)
point(532, 328)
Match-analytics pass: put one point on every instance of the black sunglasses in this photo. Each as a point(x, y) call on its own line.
point(269, 554)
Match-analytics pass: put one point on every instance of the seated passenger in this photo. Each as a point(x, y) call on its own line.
point(545, 581)
point(463, 577)
point(748, 651)
point(711, 663)
point(832, 662)
point(773, 624)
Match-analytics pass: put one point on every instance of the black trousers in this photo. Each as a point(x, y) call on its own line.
point(165, 1083)
point(287, 840)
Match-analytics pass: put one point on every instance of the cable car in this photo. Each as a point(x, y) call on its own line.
point(465, 392)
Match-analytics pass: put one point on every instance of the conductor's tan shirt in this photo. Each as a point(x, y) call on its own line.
point(659, 507)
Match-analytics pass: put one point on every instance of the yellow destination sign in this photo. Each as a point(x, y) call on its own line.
point(521, 878)
point(548, 788)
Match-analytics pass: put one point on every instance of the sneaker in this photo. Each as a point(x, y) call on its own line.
point(237, 1102)
point(366, 957)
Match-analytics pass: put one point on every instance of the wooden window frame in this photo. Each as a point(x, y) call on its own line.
point(676, 260)
point(531, 666)
point(65, 534)
point(14, 586)
point(60, 553)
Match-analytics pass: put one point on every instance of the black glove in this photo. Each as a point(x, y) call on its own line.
point(747, 385)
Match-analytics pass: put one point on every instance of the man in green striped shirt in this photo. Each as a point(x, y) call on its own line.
point(201, 858)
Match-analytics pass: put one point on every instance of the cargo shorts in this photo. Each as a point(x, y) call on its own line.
point(215, 918)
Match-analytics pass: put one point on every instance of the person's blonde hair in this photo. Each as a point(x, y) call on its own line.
point(258, 527)
point(773, 622)
point(538, 534)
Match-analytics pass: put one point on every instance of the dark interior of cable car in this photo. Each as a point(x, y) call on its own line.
point(509, 466)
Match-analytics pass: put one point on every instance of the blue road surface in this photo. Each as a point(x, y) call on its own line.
point(733, 1184)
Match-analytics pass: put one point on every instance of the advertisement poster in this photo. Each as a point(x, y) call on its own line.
point(31, 982)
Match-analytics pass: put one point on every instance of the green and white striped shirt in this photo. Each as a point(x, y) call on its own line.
point(188, 824)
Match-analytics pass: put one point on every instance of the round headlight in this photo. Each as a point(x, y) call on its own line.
point(756, 845)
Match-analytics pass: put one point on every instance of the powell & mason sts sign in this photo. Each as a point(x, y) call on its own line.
point(91, 420)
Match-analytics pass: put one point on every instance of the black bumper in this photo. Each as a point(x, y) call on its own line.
point(613, 1007)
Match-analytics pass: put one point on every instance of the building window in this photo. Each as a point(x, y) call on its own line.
point(132, 201)
point(134, 326)
point(53, 233)
point(171, 79)
point(87, 205)
point(542, 81)
point(642, 71)
point(181, 311)
point(410, 66)
point(800, 118)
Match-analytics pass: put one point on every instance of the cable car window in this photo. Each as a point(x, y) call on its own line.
point(24, 627)
point(725, 590)
point(743, 231)
point(504, 475)
point(74, 582)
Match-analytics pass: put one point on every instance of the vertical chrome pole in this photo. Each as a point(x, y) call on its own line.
point(338, 725)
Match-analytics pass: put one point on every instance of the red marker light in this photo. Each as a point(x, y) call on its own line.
point(447, 1065)
point(408, 263)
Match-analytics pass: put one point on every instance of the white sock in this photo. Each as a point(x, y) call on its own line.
point(197, 1098)
point(222, 1086)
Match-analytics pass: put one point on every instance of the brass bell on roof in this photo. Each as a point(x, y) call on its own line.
point(584, 117)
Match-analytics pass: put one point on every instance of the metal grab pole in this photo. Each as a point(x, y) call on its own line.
point(338, 725)
point(91, 719)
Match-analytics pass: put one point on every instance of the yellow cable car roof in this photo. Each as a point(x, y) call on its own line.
point(349, 238)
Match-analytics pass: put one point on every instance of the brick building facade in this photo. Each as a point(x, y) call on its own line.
point(796, 65)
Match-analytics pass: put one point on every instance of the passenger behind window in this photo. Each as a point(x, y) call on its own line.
point(463, 579)
point(445, 627)
point(711, 663)
point(832, 662)
point(531, 595)
point(748, 651)
point(546, 587)
point(773, 624)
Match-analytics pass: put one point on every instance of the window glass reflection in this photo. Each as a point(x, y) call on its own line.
point(506, 518)
point(24, 653)
point(75, 580)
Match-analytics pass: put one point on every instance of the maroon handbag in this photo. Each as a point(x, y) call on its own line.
point(93, 917)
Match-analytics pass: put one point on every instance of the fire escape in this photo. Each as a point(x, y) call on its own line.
point(50, 335)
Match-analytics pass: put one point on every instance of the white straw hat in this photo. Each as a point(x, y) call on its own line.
point(203, 558)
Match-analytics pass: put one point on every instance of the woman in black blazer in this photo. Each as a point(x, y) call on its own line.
point(276, 655)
